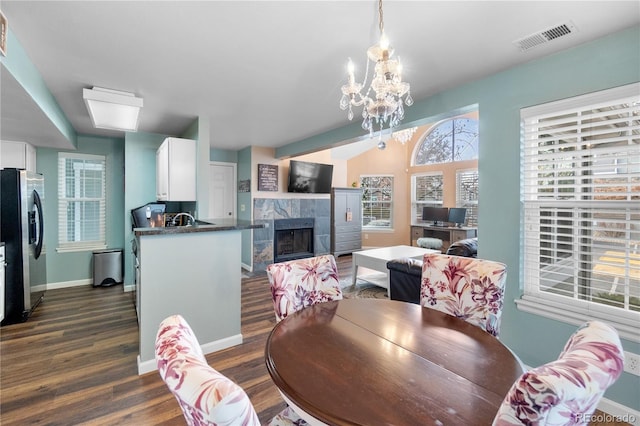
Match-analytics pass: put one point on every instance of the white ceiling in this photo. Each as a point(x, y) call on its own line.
point(267, 73)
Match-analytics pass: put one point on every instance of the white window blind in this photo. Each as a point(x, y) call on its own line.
point(377, 201)
point(426, 191)
point(467, 194)
point(81, 202)
point(581, 195)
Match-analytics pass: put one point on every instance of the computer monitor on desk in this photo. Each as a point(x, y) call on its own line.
point(457, 216)
point(436, 215)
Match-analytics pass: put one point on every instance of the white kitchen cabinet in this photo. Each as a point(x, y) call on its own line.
point(176, 170)
point(19, 155)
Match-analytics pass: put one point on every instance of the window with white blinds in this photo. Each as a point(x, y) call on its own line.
point(81, 201)
point(426, 191)
point(377, 201)
point(581, 194)
point(467, 194)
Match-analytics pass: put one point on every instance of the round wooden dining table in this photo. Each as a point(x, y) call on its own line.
point(379, 362)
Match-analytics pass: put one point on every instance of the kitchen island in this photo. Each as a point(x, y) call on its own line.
point(193, 271)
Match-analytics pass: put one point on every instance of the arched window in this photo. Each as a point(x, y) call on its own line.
point(455, 139)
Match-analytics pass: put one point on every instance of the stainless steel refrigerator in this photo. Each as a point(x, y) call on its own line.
point(22, 231)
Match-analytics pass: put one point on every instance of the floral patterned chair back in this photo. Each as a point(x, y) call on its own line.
point(467, 288)
point(206, 397)
point(566, 391)
point(297, 284)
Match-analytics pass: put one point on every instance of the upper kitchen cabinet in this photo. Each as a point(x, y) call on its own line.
point(176, 170)
point(19, 155)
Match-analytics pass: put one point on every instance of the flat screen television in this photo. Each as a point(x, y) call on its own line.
point(437, 215)
point(312, 178)
point(457, 215)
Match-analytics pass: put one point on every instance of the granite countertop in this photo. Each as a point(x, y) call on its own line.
point(202, 225)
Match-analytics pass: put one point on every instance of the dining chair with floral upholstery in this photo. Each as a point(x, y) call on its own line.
point(206, 397)
point(566, 391)
point(300, 283)
point(465, 287)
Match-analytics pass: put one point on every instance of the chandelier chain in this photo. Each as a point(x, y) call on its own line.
point(381, 20)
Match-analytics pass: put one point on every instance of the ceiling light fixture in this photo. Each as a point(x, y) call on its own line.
point(112, 109)
point(386, 108)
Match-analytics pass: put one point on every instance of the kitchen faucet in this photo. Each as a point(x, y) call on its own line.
point(191, 218)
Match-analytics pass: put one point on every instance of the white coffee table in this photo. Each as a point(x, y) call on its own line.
point(376, 259)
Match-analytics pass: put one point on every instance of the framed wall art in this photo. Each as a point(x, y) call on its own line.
point(267, 177)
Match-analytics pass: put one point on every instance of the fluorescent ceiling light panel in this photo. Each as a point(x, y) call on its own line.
point(112, 109)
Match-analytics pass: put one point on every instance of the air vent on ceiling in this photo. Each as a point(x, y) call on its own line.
point(545, 36)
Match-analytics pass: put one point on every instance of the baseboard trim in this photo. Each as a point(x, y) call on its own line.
point(75, 283)
point(246, 267)
point(225, 343)
point(618, 412)
point(66, 284)
point(217, 345)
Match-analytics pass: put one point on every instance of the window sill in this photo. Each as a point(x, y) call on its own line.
point(377, 229)
point(625, 325)
point(78, 249)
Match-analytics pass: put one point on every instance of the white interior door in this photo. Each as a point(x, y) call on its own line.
point(222, 193)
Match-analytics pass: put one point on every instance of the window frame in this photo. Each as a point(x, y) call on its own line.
point(416, 205)
point(471, 205)
point(451, 152)
point(390, 202)
point(580, 206)
point(82, 245)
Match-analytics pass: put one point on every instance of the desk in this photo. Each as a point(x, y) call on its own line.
point(379, 362)
point(448, 234)
point(376, 259)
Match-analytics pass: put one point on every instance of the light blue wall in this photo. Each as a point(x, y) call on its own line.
point(63, 267)
point(139, 184)
point(608, 62)
point(223, 155)
point(23, 70)
point(244, 199)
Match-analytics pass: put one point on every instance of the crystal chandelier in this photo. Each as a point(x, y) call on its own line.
point(385, 108)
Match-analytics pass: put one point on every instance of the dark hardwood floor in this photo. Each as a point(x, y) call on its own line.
point(74, 361)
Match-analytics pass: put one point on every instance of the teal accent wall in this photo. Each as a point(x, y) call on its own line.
point(139, 185)
point(17, 62)
point(63, 267)
point(604, 63)
point(244, 199)
point(223, 155)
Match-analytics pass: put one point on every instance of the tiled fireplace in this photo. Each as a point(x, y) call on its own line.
point(292, 239)
point(273, 210)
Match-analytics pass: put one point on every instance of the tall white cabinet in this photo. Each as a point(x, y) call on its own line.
point(19, 155)
point(346, 220)
point(176, 170)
